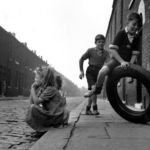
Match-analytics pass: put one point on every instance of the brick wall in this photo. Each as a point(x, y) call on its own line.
point(118, 21)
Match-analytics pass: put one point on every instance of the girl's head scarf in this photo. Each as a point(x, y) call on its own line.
point(47, 75)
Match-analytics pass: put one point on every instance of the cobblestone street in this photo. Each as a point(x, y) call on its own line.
point(14, 132)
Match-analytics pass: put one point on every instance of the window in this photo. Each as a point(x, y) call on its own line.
point(25, 81)
point(0, 74)
point(115, 22)
point(16, 79)
point(111, 35)
point(4, 72)
point(22, 80)
point(130, 4)
point(9, 77)
point(10, 50)
point(26, 60)
point(17, 55)
point(121, 16)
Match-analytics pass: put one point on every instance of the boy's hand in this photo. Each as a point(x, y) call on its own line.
point(125, 65)
point(81, 75)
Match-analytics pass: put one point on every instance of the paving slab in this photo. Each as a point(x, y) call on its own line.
point(57, 139)
point(107, 131)
point(108, 144)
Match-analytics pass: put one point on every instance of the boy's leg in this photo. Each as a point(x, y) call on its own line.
point(94, 100)
point(100, 80)
point(101, 76)
point(88, 107)
point(90, 101)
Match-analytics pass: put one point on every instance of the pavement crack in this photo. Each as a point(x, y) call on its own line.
point(71, 134)
point(107, 133)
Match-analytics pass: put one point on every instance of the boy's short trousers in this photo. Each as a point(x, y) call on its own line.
point(113, 63)
point(91, 75)
point(92, 72)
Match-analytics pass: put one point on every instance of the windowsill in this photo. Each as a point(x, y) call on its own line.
point(17, 62)
point(130, 4)
point(120, 26)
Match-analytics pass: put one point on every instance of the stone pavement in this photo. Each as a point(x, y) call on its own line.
point(107, 131)
point(15, 134)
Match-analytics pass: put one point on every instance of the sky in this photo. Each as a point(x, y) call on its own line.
point(58, 30)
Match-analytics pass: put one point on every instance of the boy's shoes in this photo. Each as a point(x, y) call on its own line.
point(96, 90)
point(95, 110)
point(88, 111)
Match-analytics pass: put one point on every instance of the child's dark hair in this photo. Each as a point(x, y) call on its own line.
point(134, 15)
point(59, 82)
point(99, 37)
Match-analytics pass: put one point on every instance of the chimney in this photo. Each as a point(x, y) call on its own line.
point(14, 34)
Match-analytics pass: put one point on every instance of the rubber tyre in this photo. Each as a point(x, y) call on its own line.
point(138, 73)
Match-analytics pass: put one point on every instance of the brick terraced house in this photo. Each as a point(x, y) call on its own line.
point(120, 9)
point(17, 64)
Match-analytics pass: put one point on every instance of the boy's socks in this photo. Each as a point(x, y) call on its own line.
point(96, 90)
point(88, 111)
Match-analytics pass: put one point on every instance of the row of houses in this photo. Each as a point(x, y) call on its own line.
point(17, 64)
point(120, 10)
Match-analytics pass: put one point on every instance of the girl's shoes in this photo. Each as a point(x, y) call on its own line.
point(37, 134)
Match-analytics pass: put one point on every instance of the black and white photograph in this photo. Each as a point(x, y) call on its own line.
point(74, 75)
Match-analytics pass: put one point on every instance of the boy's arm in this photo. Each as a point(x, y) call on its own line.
point(81, 61)
point(81, 75)
point(133, 59)
point(83, 58)
point(134, 56)
point(135, 51)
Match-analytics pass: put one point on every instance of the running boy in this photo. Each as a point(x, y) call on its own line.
point(96, 56)
point(124, 50)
